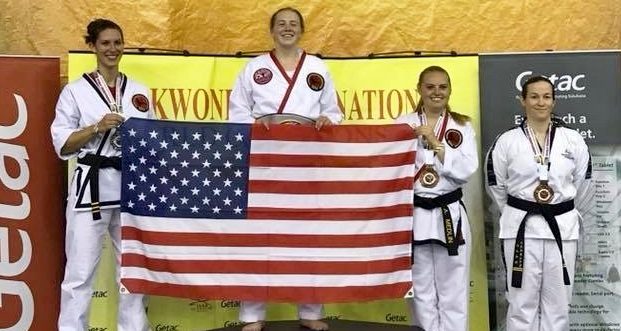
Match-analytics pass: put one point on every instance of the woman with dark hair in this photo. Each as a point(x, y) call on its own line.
point(537, 173)
point(88, 114)
point(290, 82)
point(446, 157)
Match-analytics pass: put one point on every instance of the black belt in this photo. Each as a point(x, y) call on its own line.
point(548, 211)
point(97, 162)
point(442, 202)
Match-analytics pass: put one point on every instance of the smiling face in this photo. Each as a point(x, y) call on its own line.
point(108, 48)
point(435, 91)
point(538, 102)
point(286, 28)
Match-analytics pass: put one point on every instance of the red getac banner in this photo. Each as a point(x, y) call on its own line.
point(31, 195)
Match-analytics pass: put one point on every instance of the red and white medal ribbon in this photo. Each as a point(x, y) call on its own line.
point(113, 101)
point(438, 131)
point(542, 154)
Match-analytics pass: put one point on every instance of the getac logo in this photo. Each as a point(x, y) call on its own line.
point(561, 83)
point(396, 318)
point(97, 329)
point(229, 304)
point(228, 324)
point(16, 210)
point(201, 305)
point(166, 327)
point(100, 294)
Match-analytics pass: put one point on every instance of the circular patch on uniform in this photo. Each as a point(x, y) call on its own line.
point(315, 81)
point(453, 137)
point(262, 76)
point(140, 102)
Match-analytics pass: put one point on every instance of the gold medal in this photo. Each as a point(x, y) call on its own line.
point(543, 192)
point(429, 177)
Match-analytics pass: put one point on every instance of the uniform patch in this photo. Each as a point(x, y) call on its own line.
point(315, 81)
point(262, 76)
point(453, 138)
point(140, 102)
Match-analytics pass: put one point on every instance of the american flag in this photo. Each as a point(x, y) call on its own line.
point(290, 214)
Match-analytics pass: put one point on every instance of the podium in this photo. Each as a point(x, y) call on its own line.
point(335, 325)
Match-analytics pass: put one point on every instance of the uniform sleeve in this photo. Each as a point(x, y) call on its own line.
point(66, 121)
point(496, 173)
point(582, 176)
point(461, 162)
point(329, 102)
point(240, 101)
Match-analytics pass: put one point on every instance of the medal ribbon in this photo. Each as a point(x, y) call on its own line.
point(542, 155)
point(438, 130)
point(113, 101)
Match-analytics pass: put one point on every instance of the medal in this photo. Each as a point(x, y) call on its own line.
point(429, 177)
point(114, 103)
point(115, 139)
point(543, 192)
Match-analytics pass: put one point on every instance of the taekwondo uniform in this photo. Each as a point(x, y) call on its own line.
point(93, 206)
point(539, 234)
point(263, 88)
point(442, 242)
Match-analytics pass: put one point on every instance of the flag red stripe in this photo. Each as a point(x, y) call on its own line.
point(330, 187)
point(331, 214)
point(279, 294)
point(265, 240)
point(342, 133)
point(318, 161)
point(267, 267)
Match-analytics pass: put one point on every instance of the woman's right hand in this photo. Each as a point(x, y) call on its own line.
point(109, 121)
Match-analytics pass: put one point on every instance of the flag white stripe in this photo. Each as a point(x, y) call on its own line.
point(266, 280)
point(324, 201)
point(243, 226)
point(331, 148)
point(329, 174)
point(265, 253)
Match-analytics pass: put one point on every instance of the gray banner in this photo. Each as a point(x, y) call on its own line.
point(588, 98)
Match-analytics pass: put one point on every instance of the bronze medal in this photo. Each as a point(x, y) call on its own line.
point(543, 192)
point(429, 178)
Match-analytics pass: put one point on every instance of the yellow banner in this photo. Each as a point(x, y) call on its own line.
point(196, 88)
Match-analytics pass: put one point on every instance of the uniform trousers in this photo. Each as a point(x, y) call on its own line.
point(542, 303)
point(440, 284)
point(83, 246)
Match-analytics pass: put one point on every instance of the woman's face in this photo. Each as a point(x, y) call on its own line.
point(108, 48)
point(538, 103)
point(287, 29)
point(435, 90)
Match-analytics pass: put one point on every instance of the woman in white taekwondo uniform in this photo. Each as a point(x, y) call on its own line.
point(537, 174)
point(446, 158)
point(88, 114)
point(285, 81)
